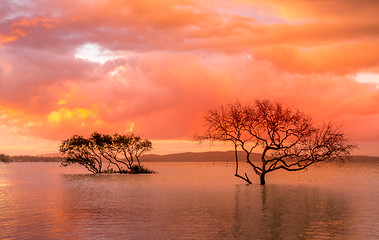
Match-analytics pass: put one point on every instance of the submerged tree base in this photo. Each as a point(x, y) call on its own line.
point(135, 169)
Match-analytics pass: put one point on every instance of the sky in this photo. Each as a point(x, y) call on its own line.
point(154, 67)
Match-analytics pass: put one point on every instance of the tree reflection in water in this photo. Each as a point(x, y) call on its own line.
point(287, 212)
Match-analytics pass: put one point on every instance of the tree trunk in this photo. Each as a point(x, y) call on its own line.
point(262, 177)
point(119, 168)
point(263, 173)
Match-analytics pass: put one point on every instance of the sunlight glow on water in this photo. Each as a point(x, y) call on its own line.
point(188, 201)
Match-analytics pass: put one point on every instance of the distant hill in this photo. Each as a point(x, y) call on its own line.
point(197, 157)
point(177, 157)
point(227, 156)
point(51, 155)
point(36, 159)
point(360, 158)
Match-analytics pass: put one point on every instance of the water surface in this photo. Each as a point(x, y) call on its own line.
point(188, 201)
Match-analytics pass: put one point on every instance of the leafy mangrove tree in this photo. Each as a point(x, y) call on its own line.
point(106, 153)
point(287, 138)
point(5, 158)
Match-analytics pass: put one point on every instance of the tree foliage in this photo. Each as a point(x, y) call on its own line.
point(5, 158)
point(288, 139)
point(120, 151)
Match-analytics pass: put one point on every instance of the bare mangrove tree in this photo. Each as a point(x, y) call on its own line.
point(287, 138)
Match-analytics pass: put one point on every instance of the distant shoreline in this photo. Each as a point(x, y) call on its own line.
point(227, 156)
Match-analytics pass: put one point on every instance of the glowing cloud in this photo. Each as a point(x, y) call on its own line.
point(372, 78)
point(154, 67)
point(94, 53)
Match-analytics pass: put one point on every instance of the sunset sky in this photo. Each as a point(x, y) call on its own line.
point(155, 66)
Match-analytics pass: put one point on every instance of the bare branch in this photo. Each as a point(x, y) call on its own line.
point(290, 140)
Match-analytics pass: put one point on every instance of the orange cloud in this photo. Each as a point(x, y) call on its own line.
point(162, 64)
point(165, 96)
point(327, 10)
point(21, 27)
point(343, 58)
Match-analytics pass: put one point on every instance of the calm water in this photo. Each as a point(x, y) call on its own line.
point(188, 201)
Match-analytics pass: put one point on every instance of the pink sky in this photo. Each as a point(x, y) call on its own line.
point(155, 66)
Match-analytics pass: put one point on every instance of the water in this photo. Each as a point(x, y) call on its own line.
point(188, 201)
